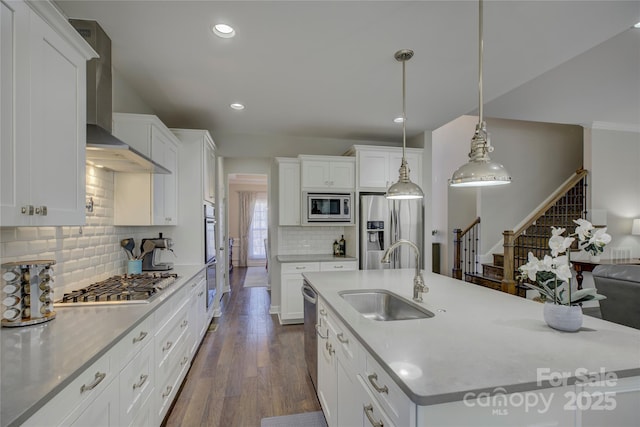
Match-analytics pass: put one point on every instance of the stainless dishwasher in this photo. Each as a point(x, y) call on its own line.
point(310, 338)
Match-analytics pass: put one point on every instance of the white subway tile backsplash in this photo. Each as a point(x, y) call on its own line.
point(307, 240)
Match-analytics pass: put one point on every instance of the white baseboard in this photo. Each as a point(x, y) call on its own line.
point(274, 309)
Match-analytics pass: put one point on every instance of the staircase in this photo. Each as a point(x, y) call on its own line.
point(492, 275)
point(559, 210)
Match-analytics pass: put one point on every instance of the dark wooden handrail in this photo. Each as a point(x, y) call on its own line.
point(510, 237)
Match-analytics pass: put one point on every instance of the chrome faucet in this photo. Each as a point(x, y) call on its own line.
point(418, 282)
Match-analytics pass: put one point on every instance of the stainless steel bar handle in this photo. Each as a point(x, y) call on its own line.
point(98, 379)
point(342, 339)
point(143, 379)
point(320, 334)
point(309, 294)
point(140, 337)
point(167, 346)
point(329, 348)
point(338, 266)
point(168, 391)
point(368, 411)
point(373, 380)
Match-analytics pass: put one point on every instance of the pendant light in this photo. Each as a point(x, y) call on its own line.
point(404, 189)
point(480, 170)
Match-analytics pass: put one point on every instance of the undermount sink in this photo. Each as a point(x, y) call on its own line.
point(382, 305)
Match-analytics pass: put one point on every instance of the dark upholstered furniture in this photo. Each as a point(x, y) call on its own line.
point(621, 285)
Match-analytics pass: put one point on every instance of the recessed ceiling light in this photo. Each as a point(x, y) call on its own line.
point(237, 106)
point(223, 30)
point(398, 120)
point(637, 25)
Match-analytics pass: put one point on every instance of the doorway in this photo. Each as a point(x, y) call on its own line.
point(248, 219)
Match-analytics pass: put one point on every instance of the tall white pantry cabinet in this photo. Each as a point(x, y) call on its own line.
point(42, 116)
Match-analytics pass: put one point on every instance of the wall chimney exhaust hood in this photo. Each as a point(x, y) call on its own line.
point(104, 149)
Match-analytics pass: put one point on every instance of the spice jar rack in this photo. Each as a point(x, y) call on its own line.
point(27, 293)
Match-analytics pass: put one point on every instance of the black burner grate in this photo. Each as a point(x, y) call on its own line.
point(124, 288)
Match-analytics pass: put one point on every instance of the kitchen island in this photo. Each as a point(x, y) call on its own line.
point(482, 359)
point(41, 362)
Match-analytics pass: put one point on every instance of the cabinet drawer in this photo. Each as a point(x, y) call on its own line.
point(391, 398)
point(77, 396)
point(372, 412)
point(338, 266)
point(136, 384)
point(172, 373)
point(299, 267)
point(133, 342)
point(169, 340)
point(347, 347)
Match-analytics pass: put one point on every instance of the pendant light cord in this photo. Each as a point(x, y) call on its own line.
point(480, 63)
point(404, 109)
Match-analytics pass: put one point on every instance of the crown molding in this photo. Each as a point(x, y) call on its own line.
point(623, 127)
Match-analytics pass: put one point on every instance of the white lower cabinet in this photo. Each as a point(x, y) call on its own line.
point(104, 411)
point(291, 300)
point(136, 385)
point(352, 390)
point(135, 382)
point(172, 353)
point(372, 412)
point(327, 386)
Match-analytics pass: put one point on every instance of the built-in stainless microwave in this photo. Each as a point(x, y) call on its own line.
point(325, 207)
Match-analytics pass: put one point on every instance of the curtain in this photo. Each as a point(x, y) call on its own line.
point(247, 202)
point(259, 226)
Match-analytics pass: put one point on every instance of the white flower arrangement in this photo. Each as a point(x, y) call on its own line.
point(551, 276)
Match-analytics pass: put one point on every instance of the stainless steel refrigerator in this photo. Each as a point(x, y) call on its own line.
point(382, 222)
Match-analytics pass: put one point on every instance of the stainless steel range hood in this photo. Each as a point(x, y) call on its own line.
point(104, 149)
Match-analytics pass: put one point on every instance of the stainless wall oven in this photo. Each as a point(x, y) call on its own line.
point(210, 244)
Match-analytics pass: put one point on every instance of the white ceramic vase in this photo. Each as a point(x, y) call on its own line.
point(563, 317)
point(594, 258)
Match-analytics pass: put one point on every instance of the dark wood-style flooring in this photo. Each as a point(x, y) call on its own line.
point(250, 368)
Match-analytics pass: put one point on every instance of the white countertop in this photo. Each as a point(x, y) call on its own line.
point(38, 361)
point(314, 258)
point(478, 340)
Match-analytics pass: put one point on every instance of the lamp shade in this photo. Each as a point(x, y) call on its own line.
point(635, 228)
point(480, 173)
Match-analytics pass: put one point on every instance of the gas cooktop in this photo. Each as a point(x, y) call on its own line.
point(124, 289)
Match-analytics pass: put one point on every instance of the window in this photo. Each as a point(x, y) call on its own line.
point(258, 231)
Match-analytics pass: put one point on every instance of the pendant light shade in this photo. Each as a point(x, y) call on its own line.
point(404, 189)
point(480, 170)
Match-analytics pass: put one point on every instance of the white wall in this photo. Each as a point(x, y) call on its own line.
point(615, 184)
point(539, 157)
point(125, 98)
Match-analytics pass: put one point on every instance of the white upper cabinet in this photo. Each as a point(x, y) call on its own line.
point(199, 162)
point(144, 198)
point(332, 173)
point(209, 169)
point(378, 166)
point(288, 191)
point(42, 116)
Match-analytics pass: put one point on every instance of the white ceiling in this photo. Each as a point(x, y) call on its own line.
point(326, 68)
